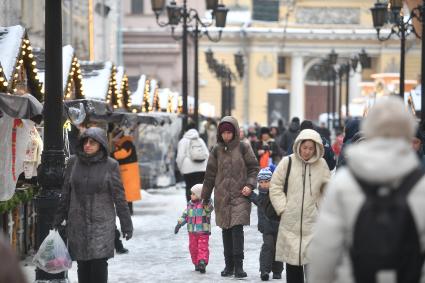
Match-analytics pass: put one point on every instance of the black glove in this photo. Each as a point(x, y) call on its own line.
point(127, 235)
point(177, 228)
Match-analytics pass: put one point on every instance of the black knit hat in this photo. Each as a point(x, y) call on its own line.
point(264, 130)
point(306, 124)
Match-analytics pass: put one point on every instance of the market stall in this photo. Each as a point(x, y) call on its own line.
point(21, 146)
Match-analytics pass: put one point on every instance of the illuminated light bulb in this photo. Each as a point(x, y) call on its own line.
point(23, 53)
point(35, 70)
point(36, 77)
point(29, 47)
point(16, 75)
point(30, 56)
point(15, 90)
point(21, 61)
point(80, 77)
point(33, 63)
point(5, 84)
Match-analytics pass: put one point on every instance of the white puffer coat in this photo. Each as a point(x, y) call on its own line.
point(377, 161)
point(298, 209)
point(184, 163)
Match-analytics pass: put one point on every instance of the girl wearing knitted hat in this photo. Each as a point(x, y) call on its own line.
point(267, 227)
point(197, 216)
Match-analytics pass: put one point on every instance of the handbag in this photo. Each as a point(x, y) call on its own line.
point(269, 210)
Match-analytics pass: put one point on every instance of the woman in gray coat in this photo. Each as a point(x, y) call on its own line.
point(91, 193)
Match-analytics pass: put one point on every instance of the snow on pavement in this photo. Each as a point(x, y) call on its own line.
point(158, 255)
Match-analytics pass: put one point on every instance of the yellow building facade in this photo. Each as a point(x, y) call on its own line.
point(280, 55)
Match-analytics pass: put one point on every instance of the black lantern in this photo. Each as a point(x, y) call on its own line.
point(157, 6)
point(333, 57)
point(174, 13)
point(379, 15)
point(211, 4)
point(354, 63)
point(220, 16)
point(239, 63)
point(365, 60)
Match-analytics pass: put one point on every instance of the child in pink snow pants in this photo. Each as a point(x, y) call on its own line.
point(197, 216)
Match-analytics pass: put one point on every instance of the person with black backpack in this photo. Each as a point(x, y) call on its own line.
point(295, 197)
point(371, 226)
point(192, 158)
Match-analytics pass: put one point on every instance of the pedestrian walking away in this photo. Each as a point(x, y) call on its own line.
point(268, 227)
point(197, 216)
point(298, 208)
point(371, 225)
point(232, 166)
point(192, 158)
point(92, 195)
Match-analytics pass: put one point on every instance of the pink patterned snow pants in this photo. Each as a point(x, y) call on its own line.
point(198, 247)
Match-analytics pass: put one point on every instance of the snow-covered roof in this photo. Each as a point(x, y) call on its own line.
point(67, 56)
point(10, 43)
point(137, 96)
point(96, 76)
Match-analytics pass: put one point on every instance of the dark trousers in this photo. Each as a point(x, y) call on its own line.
point(267, 255)
point(294, 274)
point(233, 244)
point(130, 207)
point(191, 180)
point(93, 271)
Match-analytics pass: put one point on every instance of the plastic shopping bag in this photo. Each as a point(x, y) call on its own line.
point(53, 256)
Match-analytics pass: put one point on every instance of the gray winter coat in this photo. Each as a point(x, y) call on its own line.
point(91, 193)
point(230, 167)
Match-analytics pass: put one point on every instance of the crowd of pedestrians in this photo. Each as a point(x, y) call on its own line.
point(364, 226)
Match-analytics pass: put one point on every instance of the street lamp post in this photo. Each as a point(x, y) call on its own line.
point(53, 158)
point(181, 14)
point(226, 76)
point(391, 12)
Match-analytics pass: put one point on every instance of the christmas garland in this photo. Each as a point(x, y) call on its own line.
point(18, 198)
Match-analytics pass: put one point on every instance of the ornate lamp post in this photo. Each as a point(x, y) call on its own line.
point(392, 13)
point(53, 158)
point(225, 75)
point(184, 15)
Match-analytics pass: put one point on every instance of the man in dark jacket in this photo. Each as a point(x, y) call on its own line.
point(351, 129)
point(288, 137)
point(231, 167)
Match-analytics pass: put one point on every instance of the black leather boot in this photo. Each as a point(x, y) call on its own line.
point(228, 253)
point(239, 272)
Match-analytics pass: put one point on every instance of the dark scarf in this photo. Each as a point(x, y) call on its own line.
point(92, 158)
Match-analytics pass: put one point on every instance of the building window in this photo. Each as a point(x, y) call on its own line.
point(281, 65)
point(137, 6)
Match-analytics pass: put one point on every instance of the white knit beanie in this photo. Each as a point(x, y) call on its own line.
point(389, 118)
point(197, 190)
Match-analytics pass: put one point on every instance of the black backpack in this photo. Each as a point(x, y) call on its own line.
point(385, 237)
point(267, 206)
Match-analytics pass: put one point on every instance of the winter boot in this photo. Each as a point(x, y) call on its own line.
point(239, 272)
point(264, 276)
point(228, 253)
point(277, 275)
point(196, 267)
point(229, 268)
point(202, 266)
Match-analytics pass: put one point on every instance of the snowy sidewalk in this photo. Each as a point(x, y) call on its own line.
point(157, 255)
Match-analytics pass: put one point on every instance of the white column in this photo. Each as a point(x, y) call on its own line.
point(297, 99)
point(355, 89)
